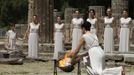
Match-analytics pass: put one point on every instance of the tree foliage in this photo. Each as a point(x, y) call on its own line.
point(81, 4)
point(13, 11)
point(16, 11)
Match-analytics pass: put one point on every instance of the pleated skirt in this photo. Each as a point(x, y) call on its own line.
point(108, 40)
point(124, 40)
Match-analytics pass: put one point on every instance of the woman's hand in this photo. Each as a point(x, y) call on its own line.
point(26, 33)
point(25, 36)
point(73, 53)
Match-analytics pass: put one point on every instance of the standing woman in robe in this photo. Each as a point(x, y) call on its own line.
point(33, 37)
point(76, 31)
point(11, 37)
point(109, 22)
point(58, 37)
point(124, 31)
point(93, 20)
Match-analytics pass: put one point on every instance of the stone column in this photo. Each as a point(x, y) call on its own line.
point(118, 6)
point(100, 10)
point(68, 18)
point(132, 40)
point(44, 10)
point(55, 14)
point(30, 9)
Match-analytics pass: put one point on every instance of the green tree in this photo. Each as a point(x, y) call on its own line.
point(13, 11)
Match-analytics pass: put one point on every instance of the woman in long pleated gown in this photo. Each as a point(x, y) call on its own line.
point(125, 23)
point(33, 38)
point(108, 32)
point(58, 37)
point(76, 32)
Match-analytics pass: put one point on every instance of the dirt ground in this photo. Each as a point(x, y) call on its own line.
point(31, 67)
point(41, 68)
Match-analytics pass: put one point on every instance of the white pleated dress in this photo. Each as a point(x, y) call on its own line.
point(95, 65)
point(58, 39)
point(77, 22)
point(124, 34)
point(33, 41)
point(93, 24)
point(108, 35)
point(12, 39)
point(96, 54)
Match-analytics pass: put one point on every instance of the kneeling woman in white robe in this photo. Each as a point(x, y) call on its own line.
point(95, 53)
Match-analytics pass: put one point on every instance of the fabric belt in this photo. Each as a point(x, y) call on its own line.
point(94, 46)
point(124, 26)
point(108, 26)
point(58, 31)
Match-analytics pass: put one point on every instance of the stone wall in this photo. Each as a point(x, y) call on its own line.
point(100, 10)
point(68, 18)
point(118, 6)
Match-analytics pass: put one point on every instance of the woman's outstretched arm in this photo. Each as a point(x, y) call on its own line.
point(76, 51)
point(27, 31)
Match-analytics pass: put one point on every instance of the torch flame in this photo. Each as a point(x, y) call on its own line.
point(65, 61)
